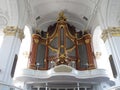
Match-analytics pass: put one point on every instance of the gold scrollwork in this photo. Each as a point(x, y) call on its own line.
point(87, 41)
point(13, 31)
point(61, 26)
point(70, 49)
point(62, 46)
point(36, 41)
point(61, 16)
point(53, 49)
point(62, 56)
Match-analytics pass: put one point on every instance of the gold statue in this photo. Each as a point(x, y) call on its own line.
point(61, 16)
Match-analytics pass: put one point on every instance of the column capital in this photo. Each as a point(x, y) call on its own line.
point(13, 31)
point(112, 31)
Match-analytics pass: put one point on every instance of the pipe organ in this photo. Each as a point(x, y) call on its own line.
point(61, 44)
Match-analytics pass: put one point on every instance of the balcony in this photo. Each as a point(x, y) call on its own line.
point(64, 73)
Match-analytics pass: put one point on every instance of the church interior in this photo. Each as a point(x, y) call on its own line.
point(59, 45)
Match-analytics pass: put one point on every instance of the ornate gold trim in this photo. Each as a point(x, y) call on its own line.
point(10, 30)
point(13, 31)
point(39, 36)
point(87, 41)
point(61, 16)
point(112, 31)
point(62, 56)
point(36, 41)
point(72, 48)
point(53, 49)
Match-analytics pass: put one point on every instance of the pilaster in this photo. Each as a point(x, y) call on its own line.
point(110, 32)
point(111, 37)
point(14, 31)
point(9, 48)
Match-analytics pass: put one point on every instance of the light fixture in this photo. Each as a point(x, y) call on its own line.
point(37, 18)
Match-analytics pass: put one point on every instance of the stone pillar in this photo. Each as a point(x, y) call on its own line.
point(111, 37)
point(10, 47)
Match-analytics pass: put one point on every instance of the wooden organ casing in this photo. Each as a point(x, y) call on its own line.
point(61, 44)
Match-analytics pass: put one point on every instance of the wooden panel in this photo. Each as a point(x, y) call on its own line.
point(35, 42)
point(90, 55)
point(85, 54)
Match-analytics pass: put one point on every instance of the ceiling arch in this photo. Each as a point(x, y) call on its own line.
point(113, 13)
point(78, 12)
point(51, 18)
point(14, 12)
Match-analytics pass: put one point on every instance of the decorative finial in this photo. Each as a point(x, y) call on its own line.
point(37, 31)
point(62, 16)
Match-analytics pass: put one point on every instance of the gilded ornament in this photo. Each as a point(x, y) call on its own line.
point(111, 31)
point(87, 41)
point(62, 56)
point(53, 49)
point(14, 31)
point(10, 31)
point(61, 16)
point(36, 41)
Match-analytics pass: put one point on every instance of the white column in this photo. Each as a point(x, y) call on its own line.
point(78, 87)
point(10, 46)
point(46, 86)
point(111, 37)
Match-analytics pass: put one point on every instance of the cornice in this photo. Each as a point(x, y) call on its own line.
point(13, 31)
point(110, 32)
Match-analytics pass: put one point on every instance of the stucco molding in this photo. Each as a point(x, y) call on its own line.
point(110, 32)
point(13, 31)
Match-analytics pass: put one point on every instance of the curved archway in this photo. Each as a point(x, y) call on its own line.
point(100, 51)
point(24, 51)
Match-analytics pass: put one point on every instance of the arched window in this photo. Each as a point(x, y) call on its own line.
point(14, 65)
point(113, 66)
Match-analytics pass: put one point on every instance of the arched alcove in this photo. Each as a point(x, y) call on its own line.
point(100, 51)
point(24, 51)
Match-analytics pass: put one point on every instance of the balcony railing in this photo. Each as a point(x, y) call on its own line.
point(4, 86)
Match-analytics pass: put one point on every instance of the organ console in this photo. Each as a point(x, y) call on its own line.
point(61, 44)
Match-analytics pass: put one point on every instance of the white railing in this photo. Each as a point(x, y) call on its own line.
point(4, 86)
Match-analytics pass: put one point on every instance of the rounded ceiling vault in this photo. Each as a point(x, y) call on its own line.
point(42, 13)
point(78, 12)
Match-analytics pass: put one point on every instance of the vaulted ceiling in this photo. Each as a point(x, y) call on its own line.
point(78, 12)
point(84, 14)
